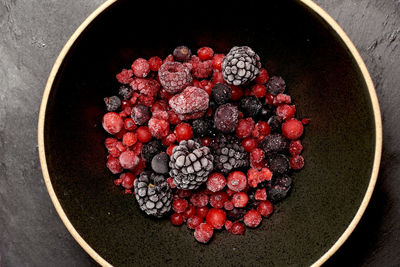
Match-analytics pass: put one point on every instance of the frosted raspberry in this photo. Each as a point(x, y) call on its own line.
point(201, 69)
point(140, 67)
point(191, 100)
point(174, 76)
point(254, 177)
point(125, 76)
point(158, 128)
point(147, 88)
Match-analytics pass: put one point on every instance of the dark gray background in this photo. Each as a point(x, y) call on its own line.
point(32, 33)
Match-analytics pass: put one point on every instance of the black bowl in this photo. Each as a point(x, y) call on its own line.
point(325, 75)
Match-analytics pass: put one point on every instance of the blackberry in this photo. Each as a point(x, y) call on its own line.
point(221, 93)
point(149, 150)
point(202, 127)
point(275, 123)
point(226, 118)
point(240, 65)
point(278, 163)
point(235, 214)
point(113, 103)
point(160, 162)
point(125, 91)
point(190, 164)
point(182, 53)
point(250, 106)
point(228, 153)
point(276, 85)
point(140, 114)
point(280, 188)
point(274, 143)
point(265, 112)
point(252, 204)
point(153, 194)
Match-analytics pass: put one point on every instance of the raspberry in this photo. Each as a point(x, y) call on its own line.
point(216, 182)
point(218, 199)
point(258, 90)
point(161, 115)
point(193, 222)
point(237, 93)
point(143, 134)
point(285, 111)
point(112, 122)
point(129, 139)
point(128, 160)
point(265, 208)
point(192, 100)
point(114, 165)
point(297, 162)
point(216, 218)
point(240, 200)
point(140, 67)
point(183, 131)
point(201, 69)
point(163, 94)
point(252, 218)
point(276, 85)
point(110, 144)
point(262, 77)
point(237, 228)
point(140, 114)
point(256, 156)
point(255, 177)
point(203, 233)
point(292, 129)
point(174, 76)
point(154, 63)
point(127, 180)
point(226, 118)
point(261, 194)
point(202, 211)
point(199, 199)
point(295, 147)
point(129, 124)
point(236, 181)
point(217, 77)
point(125, 76)
point(249, 144)
point(217, 62)
point(282, 99)
point(180, 205)
point(158, 128)
point(177, 219)
point(148, 89)
point(205, 53)
point(244, 128)
point(169, 139)
point(189, 212)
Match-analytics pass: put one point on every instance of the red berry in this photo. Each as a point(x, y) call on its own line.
point(193, 222)
point(282, 99)
point(205, 141)
point(114, 165)
point(305, 121)
point(125, 76)
point(216, 182)
point(216, 218)
point(180, 205)
point(127, 180)
point(183, 131)
point(295, 147)
point(203, 233)
point(217, 77)
point(129, 124)
point(169, 149)
point(177, 219)
point(265, 208)
point(205, 53)
point(189, 212)
point(207, 86)
point(140, 67)
point(263, 128)
point(252, 218)
point(237, 181)
point(112, 122)
point(169, 139)
point(143, 134)
point(228, 224)
point(237, 228)
point(129, 139)
point(292, 129)
point(170, 182)
point(159, 106)
point(262, 77)
point(285, 111)
point(228, 205)
point(237, 93)
point(202, 211)
point(261, 194)
point(255, 177)
point(155, 63)
point(269, 99)
point(240, 200)
point(199, 199)
point(256, 155)
point(129, 160)
point(158, 128)
point(258, 90)
point(297, 162)
point(244, 127)
point(249, 144)
point(117, 182)
point(217, 61)
point(173, 117)
point(218, 199)
point(182, 193)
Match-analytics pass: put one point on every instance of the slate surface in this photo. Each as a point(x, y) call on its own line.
point(32, 32)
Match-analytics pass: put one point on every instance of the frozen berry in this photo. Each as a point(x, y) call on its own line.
point(237, 228)
point(258, 90)
point(295, 147)
point(305, 121)
point(217, 62)
point(250, 105)
point(169, 139)
point(237, 93)
point(114, 165)
point(160, 162)
point(112, 122)
point(182, 53)
point(216, 218)
point(276, 85)
point(140, 67)
point(140, 114)
point(199, 199)
point(228, 224)
point(192, 100)
point(113, 103)
point(129, 160)
point(205, 53)
point(237, 181)
point(183, 131)
point(201, 69)
point(149, 150)
point(274, 143)
point(262, 77)
point(235, 214)
point(252, 218)
point(218, 199)
point(143, 134)
point(170, 149)
point(155, 63)
point(244, 128)
point(256, 156)
point(221, 93)
point(129, 139)
point(127, 180)
point(202, 127)
point(158, 128)
point(202, 211)
point(297, 162)
point(279, 163)
point(203, 233)
point(125, 92)
point(292, 129)
point(282, 99)
point(265, 208)
point(240, 200)
point(193, 222)
point(280, 189)
point(129, 124)
point(255, 177)
point(189, 212)
point(216, 182)
point(125, 76)
point(286, 111)
point(265, 112)
point(249, 144)
point(217, 77)
point(260, 194)
point(174, 76)
point(226, 118)
point(180, 205)
point(228, 205)
point(275, 123)
point(177, 219)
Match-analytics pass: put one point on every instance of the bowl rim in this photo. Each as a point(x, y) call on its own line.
point(308, 4)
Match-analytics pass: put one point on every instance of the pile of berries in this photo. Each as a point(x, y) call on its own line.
point(208, 139)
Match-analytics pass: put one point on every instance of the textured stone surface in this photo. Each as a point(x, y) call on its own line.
point(34, 31)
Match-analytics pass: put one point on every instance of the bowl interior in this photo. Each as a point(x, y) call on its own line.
point(322, 77)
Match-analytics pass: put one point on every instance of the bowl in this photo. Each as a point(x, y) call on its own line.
point(325, 75)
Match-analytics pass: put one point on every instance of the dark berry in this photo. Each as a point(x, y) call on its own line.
point(252, 218)
point(226, 118)
point(183, 131)
point(125, 91)
point(280, 188)
point(216, 182)
point(275, 123)
point(140, 114)
point(221, 93)
point(149, 150)
point(160, 162)
point(203, 233)
point(182, 53)
point(265, 112)
point(113, 103)
point(274, 143)
point(250, 106)
point(202, 127)
point(276, 85)
point(292, 129)
point(279, 163)
point(216, 218)
point(235, 214)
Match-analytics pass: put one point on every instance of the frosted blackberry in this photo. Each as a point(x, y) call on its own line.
point(190, 164)
point(226, 118)
point(274, 143)
point(235, 214)
point(240, 65)
point(250, 106)
point(275, 123)
point(228, 154)
point(113, 103)
point(153, 194)
point(280, 188)
point(221, 93)
point(202, 127)
point(149, 150)
point(174, 76)
point(276, 85)
point(278, 163)
point(140, 114)
point(125, 91)
point(265, 113)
